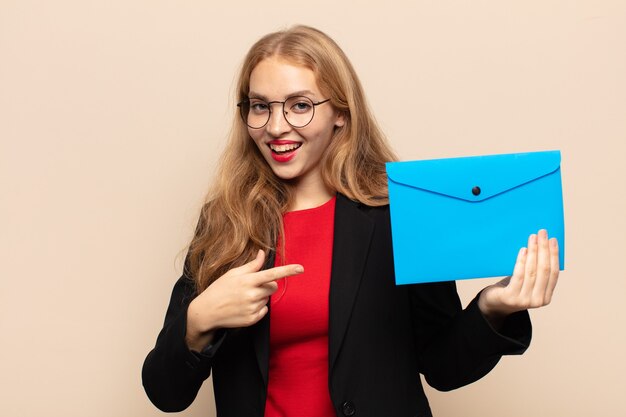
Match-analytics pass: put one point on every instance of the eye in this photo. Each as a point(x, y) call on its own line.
point(300, 105)
point(258, 107)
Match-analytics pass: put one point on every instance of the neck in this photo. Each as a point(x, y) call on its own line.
point(309, 195)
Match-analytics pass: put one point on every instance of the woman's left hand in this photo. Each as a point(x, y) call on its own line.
point(532, 284)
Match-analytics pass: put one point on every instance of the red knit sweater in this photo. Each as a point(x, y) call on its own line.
point(298, 369)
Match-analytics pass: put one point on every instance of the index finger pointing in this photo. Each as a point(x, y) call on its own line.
point(279, 272)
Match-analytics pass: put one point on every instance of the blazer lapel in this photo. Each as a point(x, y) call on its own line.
point(261, 333)
point(352, 236)
point(261, 338)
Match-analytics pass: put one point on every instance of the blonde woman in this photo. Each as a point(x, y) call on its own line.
point(288, 296)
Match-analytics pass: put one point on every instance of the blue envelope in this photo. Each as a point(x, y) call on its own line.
point(468, 217)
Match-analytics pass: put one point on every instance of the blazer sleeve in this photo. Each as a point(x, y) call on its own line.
point(172, 374)
point(458, 347)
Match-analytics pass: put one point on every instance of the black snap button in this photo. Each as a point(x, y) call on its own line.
point(476, 190)
point(348, 409)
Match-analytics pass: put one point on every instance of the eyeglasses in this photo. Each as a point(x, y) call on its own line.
point(298, 111)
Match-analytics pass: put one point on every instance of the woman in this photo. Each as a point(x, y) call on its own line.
point(297, 221)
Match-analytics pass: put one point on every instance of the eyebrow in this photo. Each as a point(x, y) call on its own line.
point(307, 93)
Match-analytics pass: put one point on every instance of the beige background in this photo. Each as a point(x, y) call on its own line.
point(112, 116)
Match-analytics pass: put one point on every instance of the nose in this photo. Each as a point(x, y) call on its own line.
point(277, 125)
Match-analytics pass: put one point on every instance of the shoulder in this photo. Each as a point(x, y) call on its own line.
point(345, 204)
point(355, 218)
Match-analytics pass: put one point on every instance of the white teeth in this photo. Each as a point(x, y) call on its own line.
point(285, 148)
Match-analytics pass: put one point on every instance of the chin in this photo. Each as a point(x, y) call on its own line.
point(284, 175)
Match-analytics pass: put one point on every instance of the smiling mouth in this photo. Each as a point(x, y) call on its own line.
point(284, 149)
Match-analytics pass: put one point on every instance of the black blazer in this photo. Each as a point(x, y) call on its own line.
point(381, 337)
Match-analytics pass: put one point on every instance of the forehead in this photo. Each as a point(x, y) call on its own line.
point(276, 78)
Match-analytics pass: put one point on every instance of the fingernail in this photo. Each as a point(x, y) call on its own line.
point(533, 238)
point(299, 269)
point(522, 251)
point(554, 243)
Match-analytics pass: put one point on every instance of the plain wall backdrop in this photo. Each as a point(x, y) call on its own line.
point(113, 115)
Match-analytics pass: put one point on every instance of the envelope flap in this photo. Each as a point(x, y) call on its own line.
point(474, 178)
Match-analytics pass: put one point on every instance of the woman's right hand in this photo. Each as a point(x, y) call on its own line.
point(236, 299)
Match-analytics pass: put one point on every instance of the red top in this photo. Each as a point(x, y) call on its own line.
point(298, 368)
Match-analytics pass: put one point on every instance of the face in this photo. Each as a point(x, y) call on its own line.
point(292, 153)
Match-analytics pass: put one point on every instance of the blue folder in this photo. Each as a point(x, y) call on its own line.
point(460, 218)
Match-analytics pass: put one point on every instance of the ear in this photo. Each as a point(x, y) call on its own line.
point(340, 121)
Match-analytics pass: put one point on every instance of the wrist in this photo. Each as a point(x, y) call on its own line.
point(494, 316)
point(197, 337)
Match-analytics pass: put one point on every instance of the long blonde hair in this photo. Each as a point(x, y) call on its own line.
point(244, 207)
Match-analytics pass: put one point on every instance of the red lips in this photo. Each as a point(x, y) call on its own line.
point(283, 156)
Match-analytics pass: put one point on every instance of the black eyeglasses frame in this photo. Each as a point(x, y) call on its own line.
point(269, 106)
